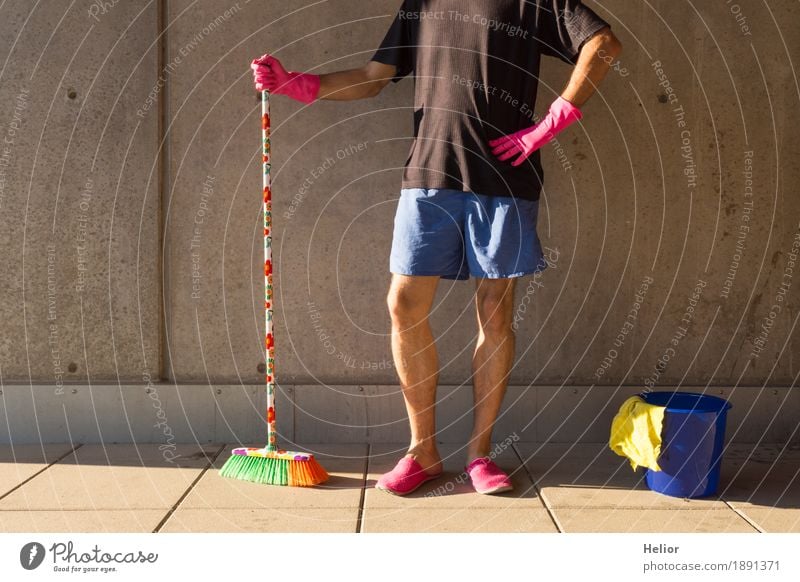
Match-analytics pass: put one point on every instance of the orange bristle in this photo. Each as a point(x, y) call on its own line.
point(306, 473)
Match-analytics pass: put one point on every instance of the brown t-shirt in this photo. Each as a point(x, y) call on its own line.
point(476, 72)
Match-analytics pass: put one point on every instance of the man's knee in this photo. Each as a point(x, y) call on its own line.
point(404, 307)
point(495, 311)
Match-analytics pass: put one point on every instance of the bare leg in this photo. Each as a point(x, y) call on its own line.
point(409, 300)
point(492, 361)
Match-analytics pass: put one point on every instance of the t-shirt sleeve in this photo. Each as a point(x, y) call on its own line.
point(563, 27)
point(397, 47)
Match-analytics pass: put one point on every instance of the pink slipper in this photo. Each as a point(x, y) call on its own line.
point(406, 477)
point(488, 478)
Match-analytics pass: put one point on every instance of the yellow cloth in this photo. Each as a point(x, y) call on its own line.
point(636, 432)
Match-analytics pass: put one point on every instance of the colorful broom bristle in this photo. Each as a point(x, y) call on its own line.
point(306, 473)
point(274, 468)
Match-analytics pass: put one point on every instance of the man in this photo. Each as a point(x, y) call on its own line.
point(471, 185)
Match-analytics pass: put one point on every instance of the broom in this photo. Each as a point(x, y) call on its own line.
point(271, 465)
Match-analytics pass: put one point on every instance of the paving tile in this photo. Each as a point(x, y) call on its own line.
point(592, 476)
point(774, 519)
point(113, 477)
point(345, 464)
point(272, 520)
point(20, 462)
point(760, 477)
point(123, 521)
point(592, 520)
point(763, 482)
point(458, 520)
point(453, 489)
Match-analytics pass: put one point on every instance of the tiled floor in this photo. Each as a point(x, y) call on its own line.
point(567, 488)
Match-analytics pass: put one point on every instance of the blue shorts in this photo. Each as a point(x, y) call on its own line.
point(455, 234)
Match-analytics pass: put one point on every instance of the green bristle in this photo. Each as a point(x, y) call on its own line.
point(257, 469)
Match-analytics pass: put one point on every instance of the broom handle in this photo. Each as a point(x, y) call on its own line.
point(269, 340)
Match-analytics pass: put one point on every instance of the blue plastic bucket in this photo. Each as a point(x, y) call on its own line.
point(692, 438)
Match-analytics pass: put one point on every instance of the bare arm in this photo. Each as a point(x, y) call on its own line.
point(596, 57)
point(366, 81)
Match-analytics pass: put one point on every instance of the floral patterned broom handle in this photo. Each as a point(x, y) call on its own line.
point(269, 342)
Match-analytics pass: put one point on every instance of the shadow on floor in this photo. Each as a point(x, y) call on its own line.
point(764, 475)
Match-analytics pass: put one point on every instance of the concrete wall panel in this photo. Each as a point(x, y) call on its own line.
point(80, 200)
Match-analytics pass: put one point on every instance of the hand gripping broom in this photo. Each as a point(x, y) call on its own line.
point(271, 465)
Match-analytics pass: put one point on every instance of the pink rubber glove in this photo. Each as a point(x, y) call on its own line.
point(524, 142)
point(269, 74)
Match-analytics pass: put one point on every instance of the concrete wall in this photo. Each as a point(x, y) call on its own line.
point(79, 212)
point(130, 209)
